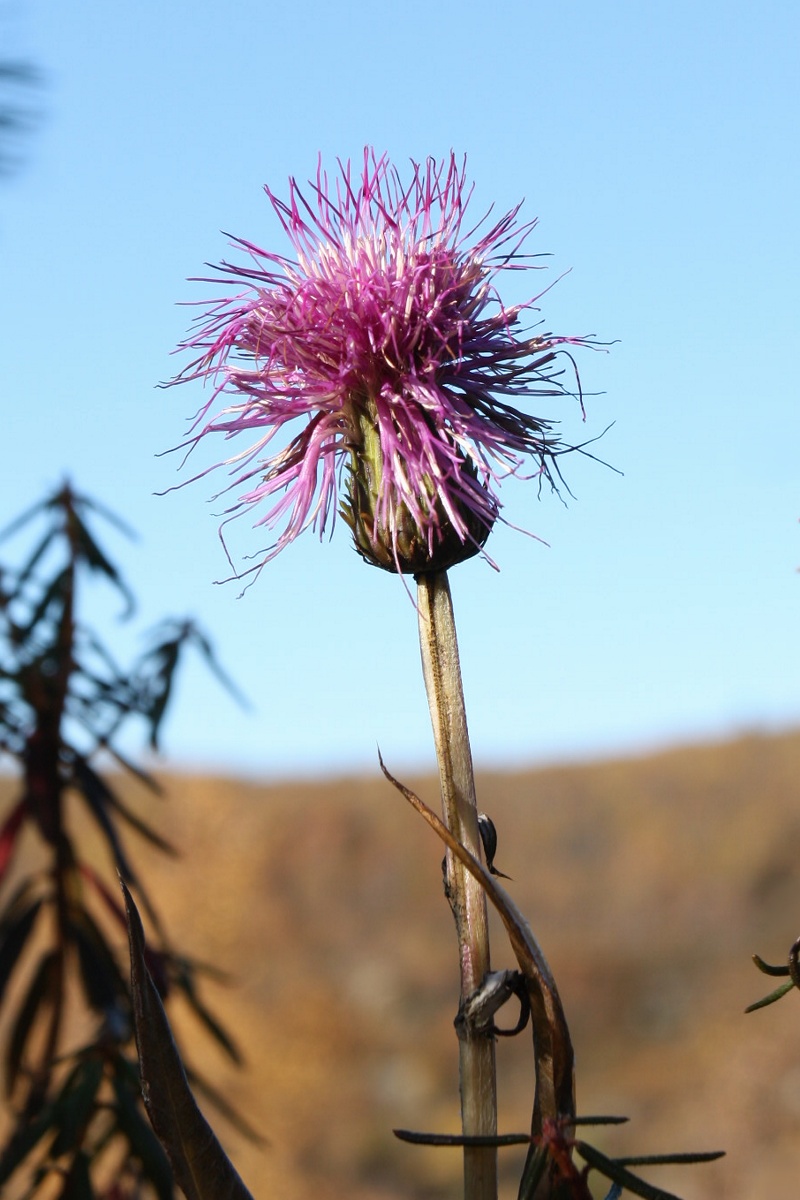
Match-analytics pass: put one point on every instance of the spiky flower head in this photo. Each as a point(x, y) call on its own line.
point(385, 338)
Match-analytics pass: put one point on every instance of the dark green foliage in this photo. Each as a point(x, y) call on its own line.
point(792, 969)
point(63, 701)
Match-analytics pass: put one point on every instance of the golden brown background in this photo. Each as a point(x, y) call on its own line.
point(649, 882)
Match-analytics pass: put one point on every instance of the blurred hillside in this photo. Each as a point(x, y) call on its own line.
point(649, 883)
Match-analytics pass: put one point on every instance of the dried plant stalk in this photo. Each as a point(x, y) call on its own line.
point(440, 665)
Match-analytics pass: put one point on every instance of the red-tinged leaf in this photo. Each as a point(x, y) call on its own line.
point(202, 1169)
point(533, 1173)
point(8, 835)
point(110, 901)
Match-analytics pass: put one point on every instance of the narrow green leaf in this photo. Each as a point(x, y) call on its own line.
point(771, 998)
point(202, 1169)
point(767, 969)
point(158, 665)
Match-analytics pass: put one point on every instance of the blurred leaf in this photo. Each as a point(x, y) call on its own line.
point(8, 835)
point(202, 1169)
point(24, 1139)
point(158, 665)
point(223, 1106)
point(142, 1140)
point(78, 1184)
point(76, 1104)
point(58, 592)
point(21, 576)
point(99, 797)
point(143, 776)
point(141, 827)
point(17, 901)
point(66, 509)
point(83, 545)
point(23, 518)
point(112, 904)
point(14, 932)
point(185, 983)
point(43, 991)
point(102, 980)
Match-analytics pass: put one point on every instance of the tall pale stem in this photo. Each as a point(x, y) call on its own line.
point(442, 673)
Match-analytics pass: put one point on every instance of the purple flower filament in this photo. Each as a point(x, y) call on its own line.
point(387, 321)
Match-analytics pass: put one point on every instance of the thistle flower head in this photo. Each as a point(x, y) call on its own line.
point(385, 340)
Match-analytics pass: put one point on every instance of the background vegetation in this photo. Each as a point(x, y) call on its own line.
point(649, 881)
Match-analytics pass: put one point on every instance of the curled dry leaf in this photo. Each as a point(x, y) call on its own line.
point(202, 1169)
point(553, 1055)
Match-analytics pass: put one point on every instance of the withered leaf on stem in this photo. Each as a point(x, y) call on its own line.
point(202, 1169)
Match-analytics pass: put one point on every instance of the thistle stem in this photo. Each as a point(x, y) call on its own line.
point(440, 666)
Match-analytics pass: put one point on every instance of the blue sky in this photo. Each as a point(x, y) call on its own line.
point(656, 144)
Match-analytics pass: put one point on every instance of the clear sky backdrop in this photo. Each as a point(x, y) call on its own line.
point(658, 146)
